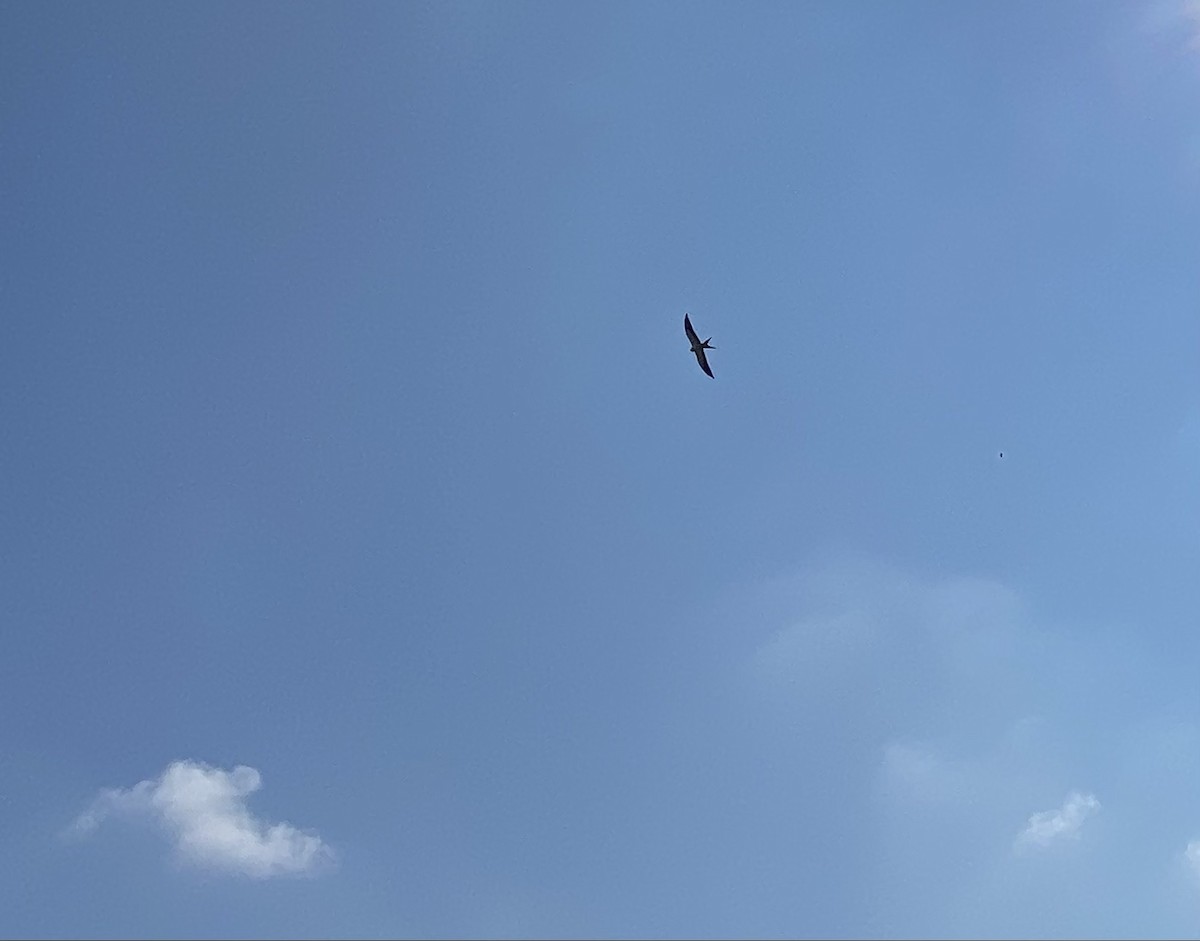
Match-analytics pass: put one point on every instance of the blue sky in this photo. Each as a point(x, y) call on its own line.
point(377, 562)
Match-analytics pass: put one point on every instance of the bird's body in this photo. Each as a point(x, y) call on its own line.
point(698, 347)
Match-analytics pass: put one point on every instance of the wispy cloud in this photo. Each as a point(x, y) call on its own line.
point(861, 622)
point(1174, 21)
point(1189, 15)
point(203, 811)
point(965, 701)
point(918, 771)
point(1188, 436)
point(1192, 854)
point(1051, 826)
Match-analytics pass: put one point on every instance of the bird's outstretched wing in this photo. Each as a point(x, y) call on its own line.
point(691, 334)
point(703, 361)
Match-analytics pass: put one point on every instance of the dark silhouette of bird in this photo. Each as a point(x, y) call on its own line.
point(697, 347)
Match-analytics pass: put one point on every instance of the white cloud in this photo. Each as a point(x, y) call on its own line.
point(203, 811)
point(1050, 826)
point(1192, 853)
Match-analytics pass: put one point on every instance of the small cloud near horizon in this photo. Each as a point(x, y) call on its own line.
point(1052, 826)
point(202, 810)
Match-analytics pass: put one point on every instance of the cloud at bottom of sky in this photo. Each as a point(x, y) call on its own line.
point(1051, 826)
point(969, 702)
point(202, 810)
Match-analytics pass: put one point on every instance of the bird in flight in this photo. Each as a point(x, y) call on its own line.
point(697, 347)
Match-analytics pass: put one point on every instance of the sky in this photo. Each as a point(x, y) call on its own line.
point(375, 561)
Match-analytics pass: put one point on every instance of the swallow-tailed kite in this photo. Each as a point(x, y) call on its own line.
point(697, 347)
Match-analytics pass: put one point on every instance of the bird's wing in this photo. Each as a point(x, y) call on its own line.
point(702, 359)
point(691, 334)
